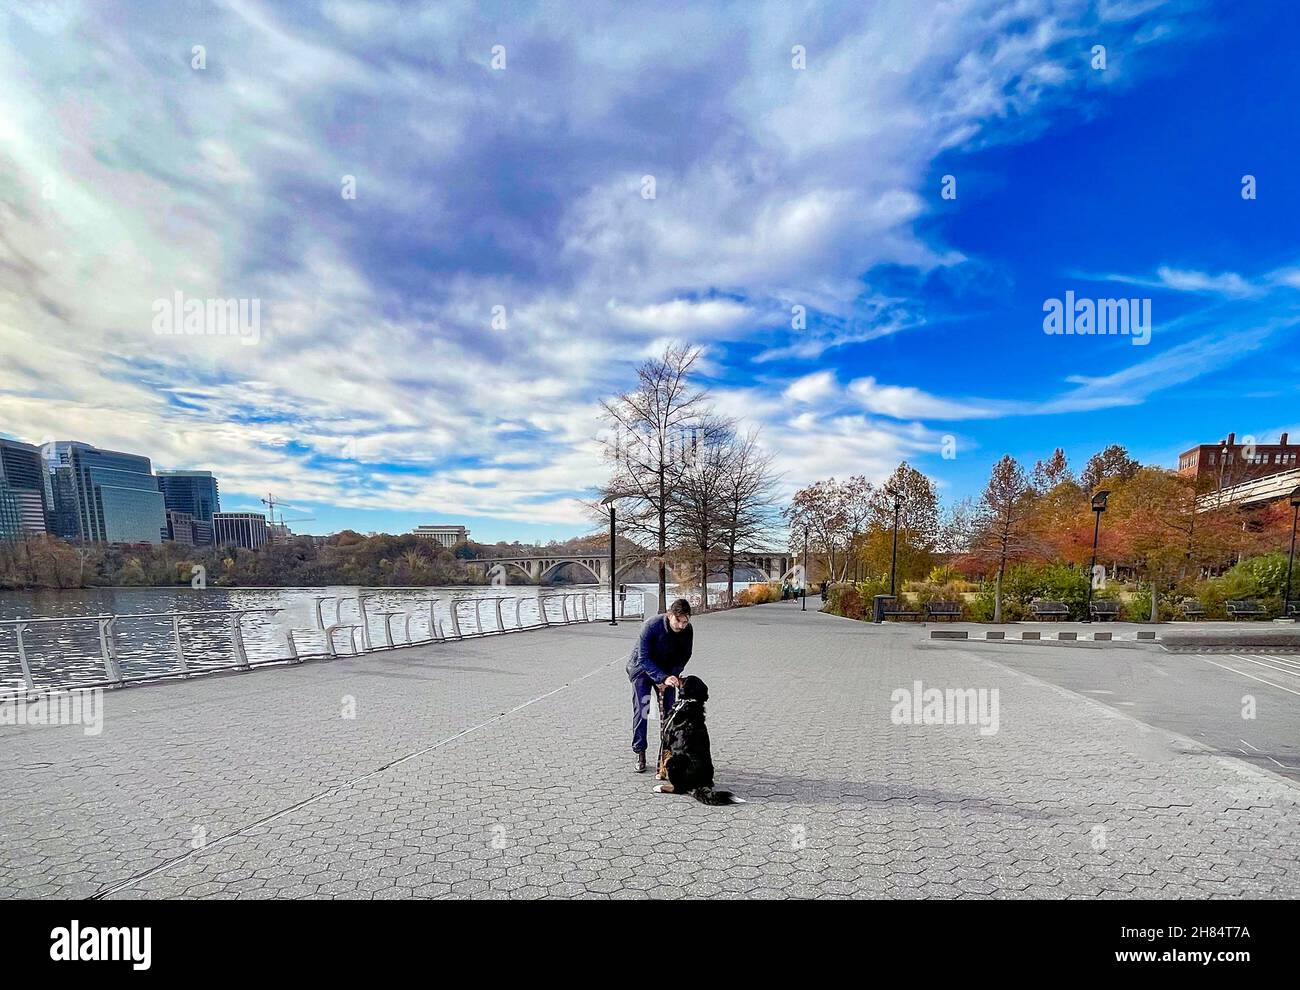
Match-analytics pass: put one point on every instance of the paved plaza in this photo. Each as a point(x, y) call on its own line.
point(501, 767)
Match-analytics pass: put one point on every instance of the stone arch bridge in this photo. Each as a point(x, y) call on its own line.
point(540, 567)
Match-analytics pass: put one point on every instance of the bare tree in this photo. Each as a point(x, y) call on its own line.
point(698, 505)
point(855, 501)
point(749, 499)
point(655, 428)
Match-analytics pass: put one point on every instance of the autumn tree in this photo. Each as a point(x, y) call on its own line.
point(918, 524)
point(818, 511)
point(1002, 532)
point(1110, 465)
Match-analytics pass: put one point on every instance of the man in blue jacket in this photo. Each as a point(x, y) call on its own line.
point(657, 661)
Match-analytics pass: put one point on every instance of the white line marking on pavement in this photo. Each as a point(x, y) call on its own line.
point(1244, 674)
point(1248, 744)
point(1260, 663)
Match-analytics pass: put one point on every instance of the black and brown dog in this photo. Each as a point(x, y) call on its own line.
point(685, 758)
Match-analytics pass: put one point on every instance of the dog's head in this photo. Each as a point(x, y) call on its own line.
point(694, 689)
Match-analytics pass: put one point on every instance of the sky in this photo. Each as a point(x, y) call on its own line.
point(464, 224)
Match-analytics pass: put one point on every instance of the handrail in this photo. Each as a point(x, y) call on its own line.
point(107, 634)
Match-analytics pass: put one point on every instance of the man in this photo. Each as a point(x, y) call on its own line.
point(657, 661)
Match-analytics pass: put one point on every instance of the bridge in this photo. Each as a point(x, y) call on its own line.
point(540, 567)
point(1261, 491)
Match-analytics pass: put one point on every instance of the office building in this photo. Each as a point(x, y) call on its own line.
point(1228, 463)
point(22, 475)
point(240, 529)
point(192, 492)
point(180, 528)
point(445, 536)
point(11, 516)
point(112, 496)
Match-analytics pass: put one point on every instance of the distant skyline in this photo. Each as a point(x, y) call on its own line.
point(434, 349)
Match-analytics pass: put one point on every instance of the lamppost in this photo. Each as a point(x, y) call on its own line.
point(803, 590)
point(893, 559)
point(613, 608)
point(1098, 507)
point(1295, 516)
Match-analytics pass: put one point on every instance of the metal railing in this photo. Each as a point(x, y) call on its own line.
point(506, 614)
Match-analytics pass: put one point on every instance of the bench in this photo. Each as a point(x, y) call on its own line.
point(1192, 609)
point(1049, 610)
point(901, 612)
point(949, 610)
point(1243, 609)
point(1293, 610)
point(1103, 610)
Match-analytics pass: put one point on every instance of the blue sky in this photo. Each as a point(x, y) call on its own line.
point(379, 393)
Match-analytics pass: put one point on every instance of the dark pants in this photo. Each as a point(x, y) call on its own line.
point(642, 688)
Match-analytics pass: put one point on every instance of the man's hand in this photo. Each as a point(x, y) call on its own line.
point(672, 681)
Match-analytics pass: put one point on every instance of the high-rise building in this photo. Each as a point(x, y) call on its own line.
point(115, 495)
point(195, 492)
point(11, 516)
point(445, 536)
point(240, 529)
point(23, 476)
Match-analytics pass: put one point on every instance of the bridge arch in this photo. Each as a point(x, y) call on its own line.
point(586, 564)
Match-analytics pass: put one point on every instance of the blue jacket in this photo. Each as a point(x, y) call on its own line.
point(659, 651)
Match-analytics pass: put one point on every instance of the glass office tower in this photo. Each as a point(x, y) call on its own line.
point(192, 492)
point(23, 476)
point(115, 495)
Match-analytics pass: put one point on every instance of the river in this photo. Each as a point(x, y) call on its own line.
point(69, 653)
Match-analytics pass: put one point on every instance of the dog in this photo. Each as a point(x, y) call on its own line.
point(686, 759)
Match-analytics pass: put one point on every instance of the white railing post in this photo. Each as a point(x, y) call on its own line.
point(177, 645)
point(365, 621)
point(455, 618)
point(237, 641)
point(501, 623)
point(22, 657)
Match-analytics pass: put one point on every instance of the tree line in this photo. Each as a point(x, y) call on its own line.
point(1150, 530)
point(346, 558)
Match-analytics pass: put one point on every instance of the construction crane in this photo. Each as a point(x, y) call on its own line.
point(271, 502)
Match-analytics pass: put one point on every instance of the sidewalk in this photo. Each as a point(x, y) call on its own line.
point(501, 767)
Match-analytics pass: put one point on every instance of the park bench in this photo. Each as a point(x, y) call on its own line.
point(947, 610)
point(1243, 609)
point(1192, 609)
point(1049, 610)
point(1293, 610)
point(900, 610)
point(1103, 610)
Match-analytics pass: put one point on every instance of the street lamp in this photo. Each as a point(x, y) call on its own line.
point(1286, 593)
point(803, 590)
point(613, 609)
point(893, 559)
point(1098, 507)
